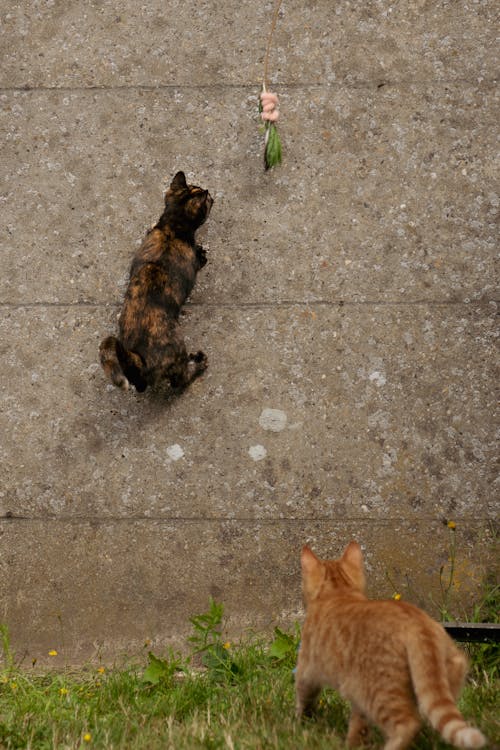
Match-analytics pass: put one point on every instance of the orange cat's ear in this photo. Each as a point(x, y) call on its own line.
point(313, 573)
point(353, 554)
point(352, 559)
point(308, 559)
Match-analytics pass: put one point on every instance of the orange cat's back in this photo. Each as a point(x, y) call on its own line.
point(389, 659)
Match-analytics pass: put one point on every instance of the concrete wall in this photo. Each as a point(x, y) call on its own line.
point(352, 291)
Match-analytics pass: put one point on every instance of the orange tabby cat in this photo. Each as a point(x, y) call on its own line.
point(388, 658)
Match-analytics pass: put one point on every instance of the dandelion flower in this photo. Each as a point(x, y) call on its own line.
point(101, 670)
point(451, 525)
point(396, 597)
point(13, 685)
point(63, 691)
point(227, 645)
point(87, 737)
point(52, 652)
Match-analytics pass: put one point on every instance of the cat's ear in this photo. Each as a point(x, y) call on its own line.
point(352, 559)
point(308, 560)
point(313, 573)
point(179, 182)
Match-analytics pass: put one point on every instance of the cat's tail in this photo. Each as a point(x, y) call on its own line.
point(431, 672)
point(109, 354)
point(120, 365)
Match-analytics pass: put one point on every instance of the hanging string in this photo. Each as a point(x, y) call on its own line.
point(268, 105)
point(269, 40)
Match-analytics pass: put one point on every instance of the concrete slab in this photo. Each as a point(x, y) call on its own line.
point(347, 309)
point(160, 43)
point(110, 588)
point(381, 411)
point(385, 195)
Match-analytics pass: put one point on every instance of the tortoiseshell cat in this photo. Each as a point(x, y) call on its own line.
point(388, 658)
point(150, 347)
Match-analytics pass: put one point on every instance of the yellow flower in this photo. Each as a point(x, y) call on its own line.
point(451, 525)
point(101, 670)
point(63, 691)
point(52, 652)
point(227, 645)
point(87, 737)
point(397, 597)
point(13, 685)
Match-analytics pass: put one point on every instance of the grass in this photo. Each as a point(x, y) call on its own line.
point(221, 696)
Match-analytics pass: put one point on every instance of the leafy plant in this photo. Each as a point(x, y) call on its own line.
point(207, 641)
point(162, 670)
point(207, 627)
point(285, 645)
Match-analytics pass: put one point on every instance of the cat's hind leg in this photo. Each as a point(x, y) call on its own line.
point(120, 365)
point(358, 730)
point(456, 670)
point(134, 370)
point(399, 734)
point(306, 695)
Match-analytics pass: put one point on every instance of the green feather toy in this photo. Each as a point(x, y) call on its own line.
point(268, 108)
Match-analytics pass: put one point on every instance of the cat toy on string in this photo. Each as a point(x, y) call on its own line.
point(269, 108)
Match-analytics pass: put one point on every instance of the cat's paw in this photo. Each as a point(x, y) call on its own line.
point(201, 255)
point(358, 733)
point(200, 360)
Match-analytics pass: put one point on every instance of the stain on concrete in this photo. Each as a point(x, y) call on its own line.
point(175, 452)
point(273, 419)
point(257, 452)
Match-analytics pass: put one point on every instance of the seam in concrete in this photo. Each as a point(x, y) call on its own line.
point(378, 83)
point(271, 304)
point(236, 519)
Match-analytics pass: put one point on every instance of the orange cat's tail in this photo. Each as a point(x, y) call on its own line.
point(431, 681)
